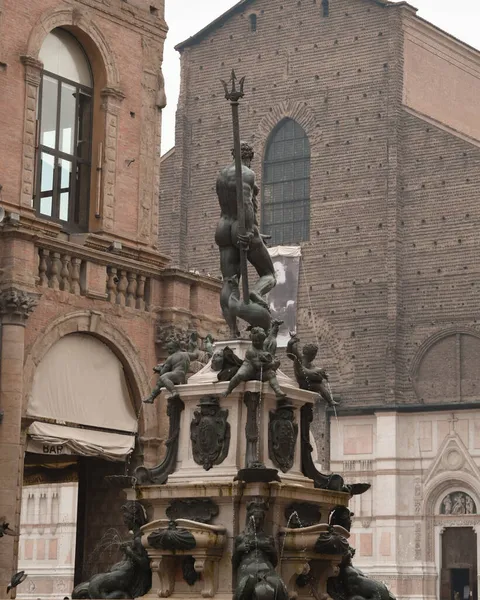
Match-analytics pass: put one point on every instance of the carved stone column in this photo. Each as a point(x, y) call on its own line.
point(15, 307)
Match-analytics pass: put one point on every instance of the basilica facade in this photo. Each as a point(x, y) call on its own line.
point(364, 120)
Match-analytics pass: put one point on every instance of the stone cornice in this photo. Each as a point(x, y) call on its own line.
point(192, 278)
point(16, 305)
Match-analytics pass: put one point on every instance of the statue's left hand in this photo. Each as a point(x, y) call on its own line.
point(245, 239)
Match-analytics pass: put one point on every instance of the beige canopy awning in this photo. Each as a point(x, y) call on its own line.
point(81, 381)
point(54, 440)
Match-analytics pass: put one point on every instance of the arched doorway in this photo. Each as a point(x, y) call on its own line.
point(458, 576)
point(457, 521)
point(82, 427)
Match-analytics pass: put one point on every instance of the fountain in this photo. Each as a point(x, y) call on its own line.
point(237, 507)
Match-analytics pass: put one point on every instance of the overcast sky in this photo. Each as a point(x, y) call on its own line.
point(461, 18)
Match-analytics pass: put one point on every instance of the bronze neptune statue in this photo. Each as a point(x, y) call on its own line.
point(237, 234)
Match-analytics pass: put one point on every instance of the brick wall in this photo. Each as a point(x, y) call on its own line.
point(124, 43)
point(340, 78)
point(392, 192)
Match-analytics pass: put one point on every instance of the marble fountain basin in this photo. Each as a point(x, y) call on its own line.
point(306, 539)
point(183, 536)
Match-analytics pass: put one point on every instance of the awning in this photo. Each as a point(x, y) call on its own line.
point(53, 440)
point(81, 381)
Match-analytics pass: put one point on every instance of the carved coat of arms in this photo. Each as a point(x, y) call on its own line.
point(282, 436)
point(210, 433)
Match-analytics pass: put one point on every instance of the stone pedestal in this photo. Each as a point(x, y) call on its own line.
point(232, 451)
point(253, 395)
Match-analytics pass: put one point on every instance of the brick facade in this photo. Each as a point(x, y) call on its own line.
point(381, 171)
point(111, 281)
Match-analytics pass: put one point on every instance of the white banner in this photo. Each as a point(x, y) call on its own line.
point(283, 298)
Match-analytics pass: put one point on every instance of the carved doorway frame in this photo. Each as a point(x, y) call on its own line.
point(447, 522)
point(435, 523)
point(455, 522)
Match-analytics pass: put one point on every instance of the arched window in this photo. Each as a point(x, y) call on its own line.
point(286, 185)
point(64, 132)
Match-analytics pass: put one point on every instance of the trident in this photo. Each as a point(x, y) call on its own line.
point(234, 95)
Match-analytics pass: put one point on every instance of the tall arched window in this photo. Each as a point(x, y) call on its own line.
point(286, 185)
point(65, 132)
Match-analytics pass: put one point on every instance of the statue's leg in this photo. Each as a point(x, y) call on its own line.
point(261, 260)
point(155, 392)
point(244, 373)
point(273, 382)
point(169, 384)
point(229, 266)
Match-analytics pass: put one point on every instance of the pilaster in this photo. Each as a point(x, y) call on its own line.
point(105, 201)
point(15, 307)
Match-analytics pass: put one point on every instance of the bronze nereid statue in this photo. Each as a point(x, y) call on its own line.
point(255, 558)
point(129, 578)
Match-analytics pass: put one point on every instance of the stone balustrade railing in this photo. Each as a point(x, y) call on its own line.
point(60, 271)
point(82, 272)
point(126, 288)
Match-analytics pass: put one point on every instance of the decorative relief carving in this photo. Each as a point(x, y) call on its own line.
point(174, 538)
point(418, 541)
point(458, 503)
point(16, 305)
point(417, 495)
point(282, 435)
point(453, 460)
point(195, 509)
point(467, 521)
point(210, 433)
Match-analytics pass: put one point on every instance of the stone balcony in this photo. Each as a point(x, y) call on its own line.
point(101, 275)
point(99, 272)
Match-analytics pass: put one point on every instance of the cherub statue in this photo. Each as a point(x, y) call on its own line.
point(208, 344)
point(308, 376)
point(173, 372)
point(270, 344)
point(255, 558)
point(258, 365)
point(199, 358)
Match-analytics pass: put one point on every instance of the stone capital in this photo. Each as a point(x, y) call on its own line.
point(33, 69)
point(114, 93)
point(16, 306)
